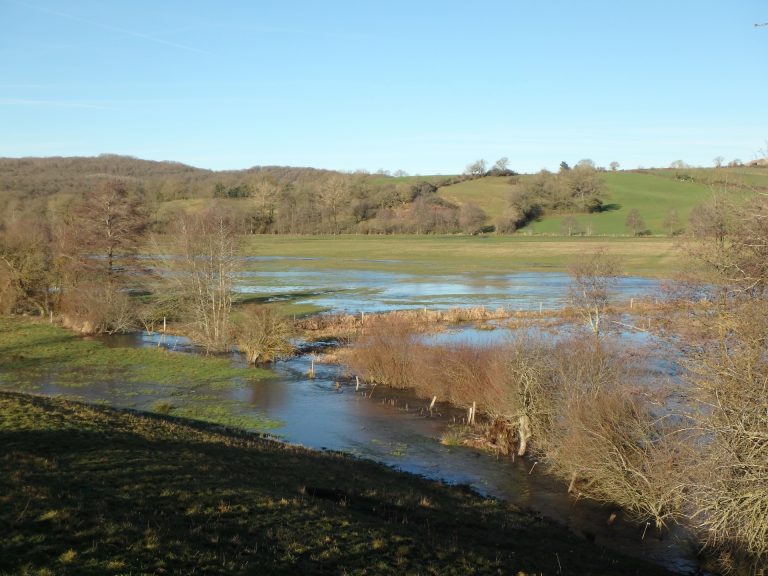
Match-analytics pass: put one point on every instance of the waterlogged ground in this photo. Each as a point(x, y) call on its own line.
point(159, 373)
point(357, 290)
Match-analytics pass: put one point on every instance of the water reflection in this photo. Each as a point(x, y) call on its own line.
point(392, 426)
point(375, 291)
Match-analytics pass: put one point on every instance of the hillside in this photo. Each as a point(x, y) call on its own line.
point(285, 200)
point(654, 193)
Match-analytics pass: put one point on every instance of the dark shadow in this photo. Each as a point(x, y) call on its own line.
point(610, 207)
point(106, 491)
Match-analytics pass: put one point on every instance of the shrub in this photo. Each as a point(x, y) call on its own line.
point(263, 334)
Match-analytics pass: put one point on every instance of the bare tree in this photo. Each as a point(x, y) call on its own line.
point(614, 166)
point(712, 219)
point(334, 193)
point(672, 222)
point(729, 388)
point(109, 222)
point(200, 274)
point(592, 278)
point(25, 266)
point(718, 161)
point(569, 225)
point(477, 168)
point(584, 182)
point(472, 218)
point(635, 222)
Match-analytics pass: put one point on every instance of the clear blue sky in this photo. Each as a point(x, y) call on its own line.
point(422, 86)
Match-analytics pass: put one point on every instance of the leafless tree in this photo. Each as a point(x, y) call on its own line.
point(25, 266)
point(672, 223)
point(109, 222)
point(635, 222)
point(592, 278)
point(476, 168)
point(200, 274)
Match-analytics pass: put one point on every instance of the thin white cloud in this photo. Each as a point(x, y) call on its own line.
point(132, 33)
point(47, 103)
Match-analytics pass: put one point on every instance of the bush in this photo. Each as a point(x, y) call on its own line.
point(263, 334)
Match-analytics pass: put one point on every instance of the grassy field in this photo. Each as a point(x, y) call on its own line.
point(653, 193)
point(455, 254)
point(490, 193)
point(92, 490)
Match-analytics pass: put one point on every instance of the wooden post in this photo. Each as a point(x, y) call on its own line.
point(631, 303)
point(432, 404)
point(163, 323)
point(357, 383)
point(311, 373)
point(541, 306)
point(50, 316)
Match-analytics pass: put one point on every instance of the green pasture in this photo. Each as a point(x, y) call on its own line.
point(653, 193)
point(654, 197)
point(490, 193)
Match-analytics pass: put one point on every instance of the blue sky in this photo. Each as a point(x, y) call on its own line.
point(426, 87)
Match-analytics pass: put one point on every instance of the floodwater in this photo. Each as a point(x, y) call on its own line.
point(393, 427)
point(354, 291)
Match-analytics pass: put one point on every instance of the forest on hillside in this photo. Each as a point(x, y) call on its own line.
point(258, 200)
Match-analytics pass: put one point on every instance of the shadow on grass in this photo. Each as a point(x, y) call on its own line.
point(610, 207)
point(92, 490)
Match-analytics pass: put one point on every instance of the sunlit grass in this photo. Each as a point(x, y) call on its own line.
point(456, 254)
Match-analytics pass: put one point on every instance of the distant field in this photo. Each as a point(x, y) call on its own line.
point(434, 178)
point(452, 254)
point(491, 194)
point(653, 196)
point(653, 193)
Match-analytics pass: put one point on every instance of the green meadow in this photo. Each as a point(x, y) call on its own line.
point(653, 193)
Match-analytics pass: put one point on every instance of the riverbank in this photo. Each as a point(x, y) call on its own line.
point(94, 489)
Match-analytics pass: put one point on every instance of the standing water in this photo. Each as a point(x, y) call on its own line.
point(390, 426)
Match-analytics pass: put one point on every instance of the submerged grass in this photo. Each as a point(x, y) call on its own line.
point(37, 357)
point(37, 348)
point(90, 490)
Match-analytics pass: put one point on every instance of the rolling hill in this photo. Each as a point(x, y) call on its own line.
point(653, 193)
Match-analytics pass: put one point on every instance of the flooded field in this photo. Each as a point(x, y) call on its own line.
point(355, 291)
point(327, 412)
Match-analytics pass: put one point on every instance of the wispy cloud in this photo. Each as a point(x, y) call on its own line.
point(47, 103)
point(132, 33)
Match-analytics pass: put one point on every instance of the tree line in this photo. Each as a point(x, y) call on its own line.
point(259, 200)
